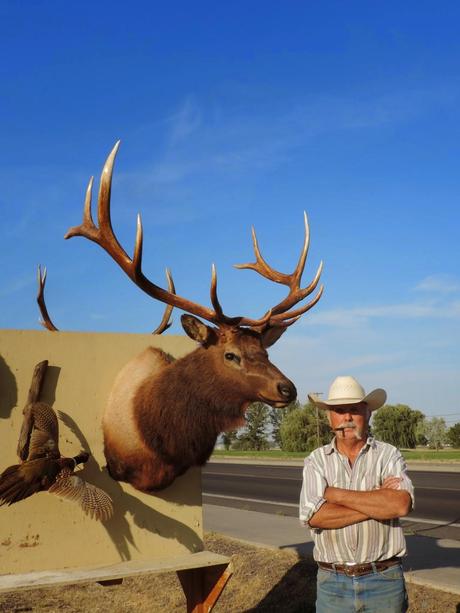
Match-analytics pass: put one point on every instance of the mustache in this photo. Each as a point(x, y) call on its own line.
point(349, 424)
point(345, 424)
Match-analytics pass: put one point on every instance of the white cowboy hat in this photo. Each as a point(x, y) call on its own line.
point(346, 390)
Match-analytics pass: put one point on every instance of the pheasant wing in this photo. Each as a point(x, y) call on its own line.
point(94, 501)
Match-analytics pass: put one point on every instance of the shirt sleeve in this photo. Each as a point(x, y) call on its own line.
point(311, 495)
point(397, 467)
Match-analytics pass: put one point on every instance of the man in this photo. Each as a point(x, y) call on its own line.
point(353, 492)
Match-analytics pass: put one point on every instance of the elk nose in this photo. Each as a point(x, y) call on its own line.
point(287, 390)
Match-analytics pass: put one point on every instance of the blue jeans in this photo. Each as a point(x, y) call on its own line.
point(378, 592)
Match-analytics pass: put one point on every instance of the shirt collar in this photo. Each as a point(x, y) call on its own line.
point(331, 447)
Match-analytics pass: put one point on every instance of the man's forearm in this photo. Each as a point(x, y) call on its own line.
point(378, 504)
point(331, 515)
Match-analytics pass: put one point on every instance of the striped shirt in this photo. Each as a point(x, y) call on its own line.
point(369, 540)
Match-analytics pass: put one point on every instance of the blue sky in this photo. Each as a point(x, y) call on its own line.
point(242, 114)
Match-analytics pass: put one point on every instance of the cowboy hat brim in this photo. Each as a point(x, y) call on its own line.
point(374, 400)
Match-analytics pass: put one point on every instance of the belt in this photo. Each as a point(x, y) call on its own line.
point(356, 570)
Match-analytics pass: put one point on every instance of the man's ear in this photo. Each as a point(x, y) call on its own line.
point(197, 330)
point(271, 335)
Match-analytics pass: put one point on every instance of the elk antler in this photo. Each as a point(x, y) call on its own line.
point(104, 236)
point(280, 315)
point(165, 323)
point(46, 320)
point(48, 324)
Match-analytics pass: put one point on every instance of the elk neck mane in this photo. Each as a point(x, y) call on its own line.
point(183, 408)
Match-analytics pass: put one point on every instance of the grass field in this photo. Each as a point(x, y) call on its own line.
point(430, 455)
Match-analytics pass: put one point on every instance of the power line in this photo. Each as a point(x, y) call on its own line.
point(445, 415)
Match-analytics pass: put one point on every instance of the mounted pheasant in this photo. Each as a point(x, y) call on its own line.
point(43, 467)
point(164, 416)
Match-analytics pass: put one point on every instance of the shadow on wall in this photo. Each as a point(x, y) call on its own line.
point(144, 516)
point(9, 391)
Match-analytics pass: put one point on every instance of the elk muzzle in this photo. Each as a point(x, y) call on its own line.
point(287, 391)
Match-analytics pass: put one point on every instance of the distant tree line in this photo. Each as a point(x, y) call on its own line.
point(294, 428)
point(304, 427)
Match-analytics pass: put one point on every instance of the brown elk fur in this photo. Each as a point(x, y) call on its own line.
point(164, 416)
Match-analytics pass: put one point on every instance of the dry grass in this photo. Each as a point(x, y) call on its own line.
point(265, 580)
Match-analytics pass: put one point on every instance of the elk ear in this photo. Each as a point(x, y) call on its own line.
point(197, 330)
point(271, 335)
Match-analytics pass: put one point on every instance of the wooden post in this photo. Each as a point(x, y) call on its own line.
point(33, 396)
point(203, 586)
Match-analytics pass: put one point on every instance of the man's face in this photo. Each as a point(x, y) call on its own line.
point(349, 421)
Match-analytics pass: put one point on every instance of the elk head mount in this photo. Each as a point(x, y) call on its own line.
point(164, 416)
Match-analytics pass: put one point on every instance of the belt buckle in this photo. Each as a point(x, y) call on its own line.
point(349, 569)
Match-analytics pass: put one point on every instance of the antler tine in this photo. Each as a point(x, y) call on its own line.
point(295, 314)
point(296, 294)
point(46, 320)
point(261, 266)
point(233, 321)
point(165, 322)
point(105, 190)
point(87, 216)
point(267, 271)
point(213, 292)
point(280, 312)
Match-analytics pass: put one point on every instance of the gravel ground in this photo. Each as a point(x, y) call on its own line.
point(264, 580)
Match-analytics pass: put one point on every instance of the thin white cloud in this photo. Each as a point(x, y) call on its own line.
point(98, 316)
point(441, 283)
point(186, 121)
point(201, 141)
point(17, 285)
point(358, 316)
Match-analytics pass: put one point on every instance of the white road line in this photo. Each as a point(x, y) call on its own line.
point(414, 520)
point(279, 504)
point(212, 474)
point(436, 522)
point(438, 489)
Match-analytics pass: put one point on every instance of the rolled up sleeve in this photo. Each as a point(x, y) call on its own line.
point(311, 494)
point(397, 467)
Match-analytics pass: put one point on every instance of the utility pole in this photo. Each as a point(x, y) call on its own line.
point(317, 418)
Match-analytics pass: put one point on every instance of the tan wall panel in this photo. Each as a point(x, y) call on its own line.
point(45, 532)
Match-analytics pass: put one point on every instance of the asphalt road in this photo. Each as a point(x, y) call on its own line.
point(275, 489)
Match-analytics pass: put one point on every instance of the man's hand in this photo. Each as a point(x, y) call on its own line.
point(391, 483)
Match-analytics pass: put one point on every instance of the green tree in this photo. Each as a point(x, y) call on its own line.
point(436, 432)
point(453, 435)
point(228, 438)
point(304, 429)
point(254, 434)
point(420, 432)
point(397, 425)
point(277, 416)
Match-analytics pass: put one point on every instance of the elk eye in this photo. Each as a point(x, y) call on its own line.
point(232, 357)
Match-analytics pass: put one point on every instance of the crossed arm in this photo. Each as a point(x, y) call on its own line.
point(345, 507)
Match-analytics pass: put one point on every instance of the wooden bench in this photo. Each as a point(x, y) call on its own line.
point(203, 576)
